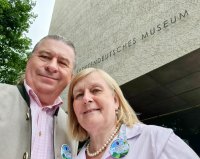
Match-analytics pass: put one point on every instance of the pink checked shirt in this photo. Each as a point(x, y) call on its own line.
point(42, 146)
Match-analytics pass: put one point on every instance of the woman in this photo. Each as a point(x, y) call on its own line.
point(99, 113)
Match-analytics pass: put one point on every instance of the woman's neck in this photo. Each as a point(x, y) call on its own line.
point(99, 141)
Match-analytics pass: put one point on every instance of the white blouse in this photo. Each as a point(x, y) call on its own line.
point(151, 142)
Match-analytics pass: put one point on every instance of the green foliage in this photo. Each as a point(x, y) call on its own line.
point(15, 19)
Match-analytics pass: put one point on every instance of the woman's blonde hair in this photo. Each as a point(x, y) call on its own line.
point(126, 114)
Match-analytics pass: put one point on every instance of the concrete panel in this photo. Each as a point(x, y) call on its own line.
point(178, 69)
point(128, 38)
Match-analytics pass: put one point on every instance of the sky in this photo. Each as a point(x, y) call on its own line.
point(40, 26)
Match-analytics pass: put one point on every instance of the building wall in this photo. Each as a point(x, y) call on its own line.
point(128, 38)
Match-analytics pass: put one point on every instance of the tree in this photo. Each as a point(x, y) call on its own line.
point(15, 19)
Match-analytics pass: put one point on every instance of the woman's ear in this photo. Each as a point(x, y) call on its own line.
point(116, 100)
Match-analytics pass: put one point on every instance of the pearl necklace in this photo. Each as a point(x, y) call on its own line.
point(104, 146)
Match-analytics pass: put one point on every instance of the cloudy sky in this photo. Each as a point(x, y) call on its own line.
point(40, 26)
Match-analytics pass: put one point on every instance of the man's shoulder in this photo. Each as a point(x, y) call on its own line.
point(61, 111)
point(5, 87)
point(62, 114)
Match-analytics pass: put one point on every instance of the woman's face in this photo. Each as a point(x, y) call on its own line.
point(94, 103)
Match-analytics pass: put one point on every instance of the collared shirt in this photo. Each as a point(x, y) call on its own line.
point(42, 146)
point(151, 142)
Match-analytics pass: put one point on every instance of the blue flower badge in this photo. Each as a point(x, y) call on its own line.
point(119, 148)
point(66, 152)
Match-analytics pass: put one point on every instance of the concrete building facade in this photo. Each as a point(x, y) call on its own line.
point(151, 48)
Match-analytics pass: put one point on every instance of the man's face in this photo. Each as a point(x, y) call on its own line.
point(50, 67)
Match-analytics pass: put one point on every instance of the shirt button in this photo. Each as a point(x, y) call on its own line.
point(25, 156)
point(27, 116)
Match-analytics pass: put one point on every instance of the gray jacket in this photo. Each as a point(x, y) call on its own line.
point(15, 125)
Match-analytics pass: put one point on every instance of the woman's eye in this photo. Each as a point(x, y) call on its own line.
point(96, 90)
point(78, 95)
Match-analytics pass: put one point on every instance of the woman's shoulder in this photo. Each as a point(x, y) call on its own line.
point(150, 130)
point(155, 128)
point(153, 135)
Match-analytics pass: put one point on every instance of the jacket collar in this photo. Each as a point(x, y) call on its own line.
point(26, 97)
point(24, 94)
point(133, 131)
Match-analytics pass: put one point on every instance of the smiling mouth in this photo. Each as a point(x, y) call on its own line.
point(90, 111)
point(48, 77)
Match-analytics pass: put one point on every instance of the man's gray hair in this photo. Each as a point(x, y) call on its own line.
point(58, 38)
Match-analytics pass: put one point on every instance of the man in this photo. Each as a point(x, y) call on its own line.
point(32, 124)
